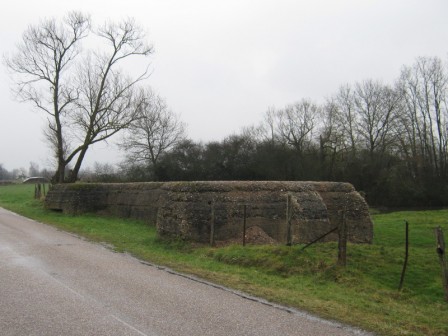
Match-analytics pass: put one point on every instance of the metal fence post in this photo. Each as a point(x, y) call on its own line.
point(212, 224)
point(244, 225)
point(342, 241)
point(442, 258)
point(288, 220)
point(405, 257)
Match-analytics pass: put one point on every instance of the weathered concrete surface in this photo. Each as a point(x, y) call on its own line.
point(128, 200)
point(184, 209)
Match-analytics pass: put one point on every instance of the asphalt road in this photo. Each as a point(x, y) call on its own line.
point(54, 283)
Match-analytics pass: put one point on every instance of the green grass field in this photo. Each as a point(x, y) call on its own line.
point(363, 294)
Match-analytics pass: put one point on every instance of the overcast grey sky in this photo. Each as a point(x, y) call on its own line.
point(221, 64)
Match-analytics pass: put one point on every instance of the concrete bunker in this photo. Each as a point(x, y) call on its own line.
point(185, 209)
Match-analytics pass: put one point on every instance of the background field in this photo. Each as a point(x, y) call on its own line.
point(363, 294)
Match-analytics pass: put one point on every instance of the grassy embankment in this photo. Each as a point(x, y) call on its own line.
point(363, 294)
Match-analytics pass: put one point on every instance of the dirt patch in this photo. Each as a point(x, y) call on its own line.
point(254, 236)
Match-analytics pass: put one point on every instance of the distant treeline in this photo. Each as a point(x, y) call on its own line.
point(390, 141)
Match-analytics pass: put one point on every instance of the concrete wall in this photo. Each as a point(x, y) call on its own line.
point(184, 209)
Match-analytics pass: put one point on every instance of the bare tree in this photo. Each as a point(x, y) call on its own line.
point(40, 70)
point(269, 126)
point(88, 101)
point(4, 174)
point(108, 101)
point(156, 130)
point(376, 107)
point(266, 130)
point(345, 117)
point(424, 87)
point(332, 140)
point(297, 122)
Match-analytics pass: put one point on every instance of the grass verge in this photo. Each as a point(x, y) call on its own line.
point(363, 294)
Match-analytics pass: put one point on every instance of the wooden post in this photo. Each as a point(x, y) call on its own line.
point(342, 241)
point(441, 251)
point(37, 191)
point(212, 224)
point(288, 220)
point(244, 225)
point(400, 286)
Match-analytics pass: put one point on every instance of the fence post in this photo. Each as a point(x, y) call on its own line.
point(400, 286)
point(37, 191)
point(212, 224)
point(342, 241)
point(288, 220)
point(244, 225)
point(442, 258)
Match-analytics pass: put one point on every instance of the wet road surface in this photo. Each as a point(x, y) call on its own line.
point(54, 283)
